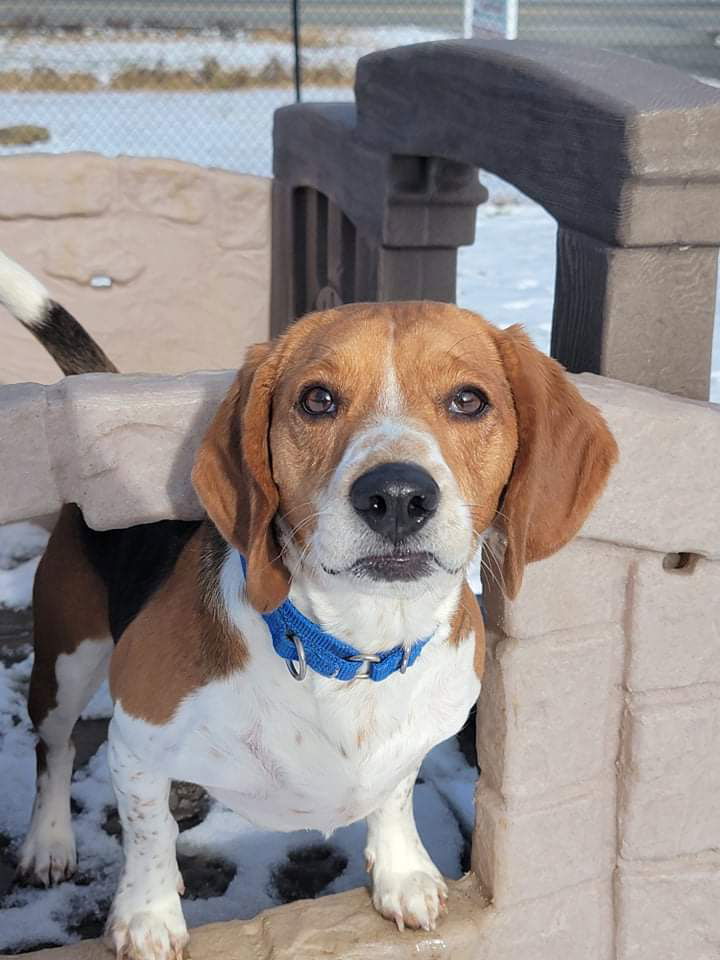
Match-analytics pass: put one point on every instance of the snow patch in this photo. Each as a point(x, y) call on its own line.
point(16, 585)
point(21, 541)
point(21, 545)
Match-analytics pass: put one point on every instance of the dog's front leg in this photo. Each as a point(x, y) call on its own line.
point(407, 887)
point(146, 920)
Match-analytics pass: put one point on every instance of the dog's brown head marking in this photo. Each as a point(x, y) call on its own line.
point(309, 413)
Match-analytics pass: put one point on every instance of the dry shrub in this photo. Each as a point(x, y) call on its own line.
point(45, 79)
point(23, 135)
point(211, 76)
point(318, 38)
point(330, 75)
point(154, 78)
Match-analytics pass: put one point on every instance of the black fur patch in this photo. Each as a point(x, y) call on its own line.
point(134, 563)
point(69, 344)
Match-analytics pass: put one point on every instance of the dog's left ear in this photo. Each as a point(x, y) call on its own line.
point(233, 478)
point(564, 456)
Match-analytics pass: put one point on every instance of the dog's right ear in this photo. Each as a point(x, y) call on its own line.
point(232, 476)
point(564, 456)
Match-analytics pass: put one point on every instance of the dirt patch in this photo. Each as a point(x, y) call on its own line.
point(88, 736)
point(91, 925)
point(15, 635)
point(203, 876)
point(7, 866)
point(307, 872)
point(189, 804)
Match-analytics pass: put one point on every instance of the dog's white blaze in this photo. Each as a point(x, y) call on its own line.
point(22, 293)
point(390, 401)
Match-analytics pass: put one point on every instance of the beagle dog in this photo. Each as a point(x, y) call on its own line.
point(300, 649)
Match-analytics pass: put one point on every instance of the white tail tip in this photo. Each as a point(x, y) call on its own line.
point(22, 293)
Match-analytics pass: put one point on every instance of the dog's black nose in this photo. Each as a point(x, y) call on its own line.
point(395, 499)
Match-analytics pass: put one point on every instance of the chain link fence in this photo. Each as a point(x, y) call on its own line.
point(681, 33)
point(198, 80)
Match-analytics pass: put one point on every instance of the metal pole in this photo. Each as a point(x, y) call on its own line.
point(296, 44)
point(468, 18)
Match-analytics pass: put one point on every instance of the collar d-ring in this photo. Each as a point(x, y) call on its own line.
point(300, 672)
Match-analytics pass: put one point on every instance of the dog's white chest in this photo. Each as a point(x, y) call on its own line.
point(320, 753)
point(317, 753)
point(323, 766)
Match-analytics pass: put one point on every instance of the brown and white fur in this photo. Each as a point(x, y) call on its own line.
point(200, 694)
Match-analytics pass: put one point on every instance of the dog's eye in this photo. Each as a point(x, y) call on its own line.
point(469, 402)
point(318, 401)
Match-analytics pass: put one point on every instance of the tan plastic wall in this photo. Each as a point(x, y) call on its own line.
point(598, 808)
point(187, 250)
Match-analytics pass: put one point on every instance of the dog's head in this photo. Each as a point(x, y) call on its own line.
point(376, 442)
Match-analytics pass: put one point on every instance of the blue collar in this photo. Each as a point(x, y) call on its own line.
point(300, 641)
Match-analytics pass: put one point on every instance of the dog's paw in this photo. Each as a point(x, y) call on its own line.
point(155, 932)
point(47, 857)
point(414, 899)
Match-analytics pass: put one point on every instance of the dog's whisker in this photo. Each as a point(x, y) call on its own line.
point(490, 562)
point(493, 576)
point(289, 537)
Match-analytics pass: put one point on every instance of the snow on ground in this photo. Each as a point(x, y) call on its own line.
point(230, 129)
point(508, 275)
point(16, 585)
point(20, 542)
point(20, 547)
point(29, 916)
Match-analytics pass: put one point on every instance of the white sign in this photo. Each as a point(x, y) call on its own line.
point(491, 18)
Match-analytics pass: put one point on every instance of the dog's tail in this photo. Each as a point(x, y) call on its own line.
point(67, 342)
